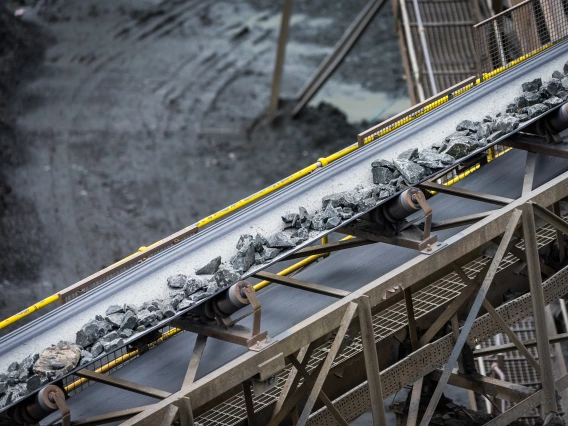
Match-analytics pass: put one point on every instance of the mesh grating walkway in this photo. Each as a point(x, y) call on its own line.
point(385, 324)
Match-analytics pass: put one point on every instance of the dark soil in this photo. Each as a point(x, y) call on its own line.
point(122, 122)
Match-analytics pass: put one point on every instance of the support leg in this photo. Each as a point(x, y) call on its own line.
point(501, 251)
point(535, 282)
point(371, 361)
point(326, 365)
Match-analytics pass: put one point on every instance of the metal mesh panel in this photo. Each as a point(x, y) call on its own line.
point(385, 323)
point(519, 33)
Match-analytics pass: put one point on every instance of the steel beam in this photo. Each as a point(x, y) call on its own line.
point(196, 355)
point(324, 398)
point(459, 221)
point(122, 384)
point(302, 285)
point(371, 362)
point(326, 364)
point(559, 234)
point(536, 144)
point(484, 385)
point(329, 247)
point(528, 178)
point(551, 218)
point(474, 310)
point(169, 416)
point(430, 357)
point(523, 407)
point(466, 193)
point(508, 347)
point(535, 282)
point(280, 55)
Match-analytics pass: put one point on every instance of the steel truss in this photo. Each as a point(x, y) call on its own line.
point(352, 316)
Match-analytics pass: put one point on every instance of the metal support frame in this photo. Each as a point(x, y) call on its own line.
point(536, 144)
point(501, 251)
point(485, 385)
point(280, 56)
point(195, 359)
point(123, 384)
point(466, 193)
point(329, 247)
point(412, 274)
point(338, 54)
point(459, 221)
point(494, 350)
point(326, 365)
point(302, 285)
point(230, 332)
point(412, 237)
point(535, 282)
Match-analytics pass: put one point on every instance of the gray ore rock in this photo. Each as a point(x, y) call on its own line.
point(456, 149)
point(410, 155)
point(520, 102)
point(225, 277)
point(210, 268)
point(97, 349)
point(177, 281)
point(467, 125)
point(506, 123)
point(551, 87)
point(531, 98)
point(260, 241)
point(280, 240)
point(244, 258)
point(57, 360)
point(129, 321)
point(115, 320)
point(334, 221)
point(146, 318)
point(91, 332)
point(169, 310)
point(195, 297)
point(552, 102)
point(458, 134)
point(565, 69)
point(382, 175)
point(114, 309)
point(411, 172)
point(113, 345)
point(532, 86)
point(535, 110)
point(558, 75)
point(185, 303)
point(485, 129)
point(126, 333)
point(15, 366)
point(564, 83)
point(194, 284)
point(562, 94)
point(433, 160)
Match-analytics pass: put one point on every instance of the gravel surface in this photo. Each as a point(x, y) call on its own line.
point(131, 120)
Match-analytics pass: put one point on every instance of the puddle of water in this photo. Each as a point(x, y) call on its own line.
point(359, 103)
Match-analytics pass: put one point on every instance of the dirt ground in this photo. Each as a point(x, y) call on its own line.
point(123, 122)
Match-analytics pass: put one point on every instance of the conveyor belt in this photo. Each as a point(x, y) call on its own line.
point(137, 284)
point(285, 307)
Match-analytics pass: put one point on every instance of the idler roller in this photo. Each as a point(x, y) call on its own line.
point(558, 120)
point(230, 301)
point(398, 208)
point(35, 409)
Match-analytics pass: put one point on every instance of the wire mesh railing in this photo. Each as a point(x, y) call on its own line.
point(519, 33)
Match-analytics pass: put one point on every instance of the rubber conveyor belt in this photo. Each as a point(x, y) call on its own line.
point(149, 278)
point(284, 307)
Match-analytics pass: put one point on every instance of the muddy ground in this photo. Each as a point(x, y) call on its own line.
point(123, 122)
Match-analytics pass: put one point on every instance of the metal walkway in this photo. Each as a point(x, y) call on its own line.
point(447, 26)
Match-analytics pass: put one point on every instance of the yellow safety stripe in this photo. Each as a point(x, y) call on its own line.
point(29, 311)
